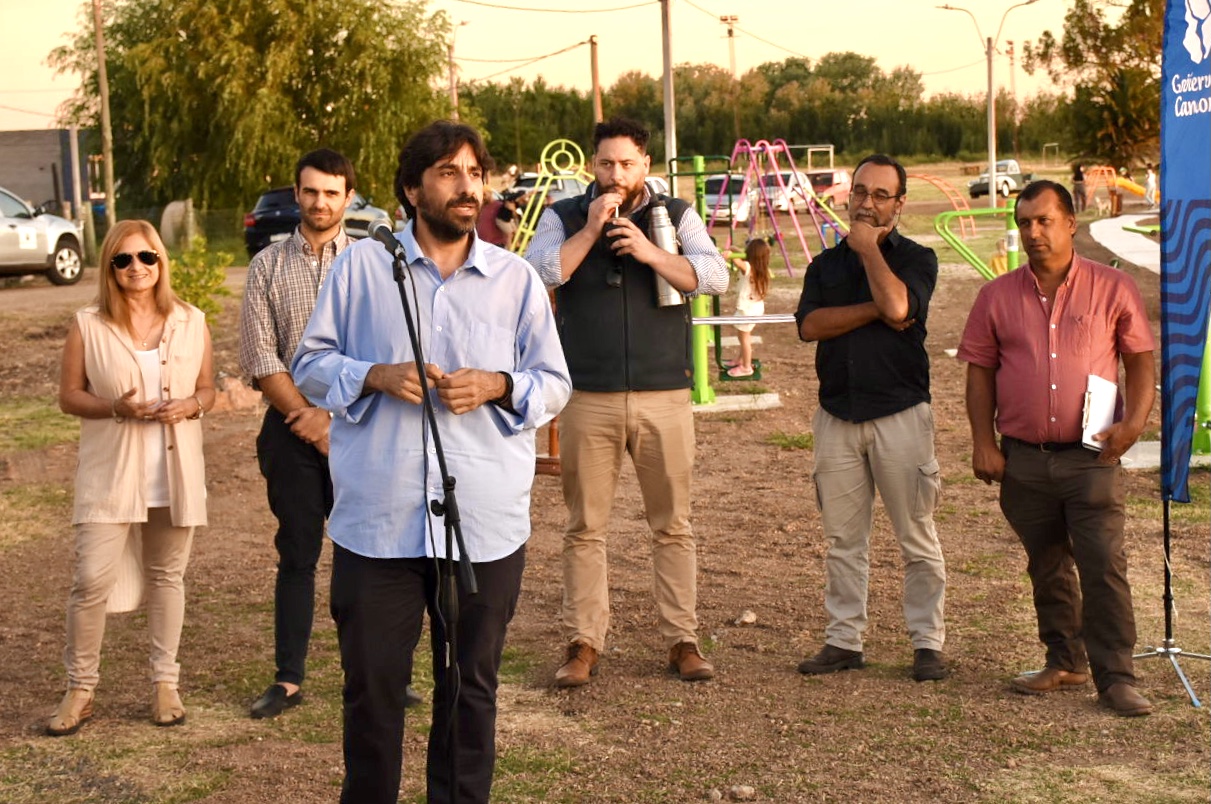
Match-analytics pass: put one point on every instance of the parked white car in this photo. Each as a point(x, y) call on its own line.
point(35, 242)
point(787, 194)
point(724, 200)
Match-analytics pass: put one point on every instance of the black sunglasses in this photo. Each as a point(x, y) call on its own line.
point(123, 261)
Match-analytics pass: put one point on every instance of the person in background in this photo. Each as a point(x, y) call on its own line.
point(487, 228)
point(1150, 191)
point(1078, 187)
point(631, 368)
point(865, 301)
point(750, 300)
point(292, 447)
point(138, 371)
point(1032, 341)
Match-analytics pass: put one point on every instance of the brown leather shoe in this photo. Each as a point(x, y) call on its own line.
point(1048, 679)
point(688, 664)
point(832, 659)
point(75, 708)
point(579, 667)
point(166, 706)
point(1125, 700)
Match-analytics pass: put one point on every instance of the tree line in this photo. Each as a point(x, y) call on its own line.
point(216, 99)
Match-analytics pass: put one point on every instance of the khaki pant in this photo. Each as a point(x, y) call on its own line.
point(895, 456)
point(98, 549)
point(656, 428)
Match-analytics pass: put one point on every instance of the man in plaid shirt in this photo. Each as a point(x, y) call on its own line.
point(292, 448)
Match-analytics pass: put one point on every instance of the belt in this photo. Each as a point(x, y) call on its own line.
point(1047, 446)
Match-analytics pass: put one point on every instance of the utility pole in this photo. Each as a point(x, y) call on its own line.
point(453, 72)
point(597, 115)
point(730, 21)
point(1013, 94)
point(670, 111)
point(992, 131)
point(107, 132)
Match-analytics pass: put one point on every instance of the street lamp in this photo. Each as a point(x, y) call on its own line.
point(990, 46)
point(730, 21)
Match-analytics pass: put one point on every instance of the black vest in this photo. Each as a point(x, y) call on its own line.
point(617, 338)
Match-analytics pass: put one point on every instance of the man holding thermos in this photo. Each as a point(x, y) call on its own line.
point(625, 328)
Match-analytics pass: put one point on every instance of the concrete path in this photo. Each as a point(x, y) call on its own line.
point(1131, 246)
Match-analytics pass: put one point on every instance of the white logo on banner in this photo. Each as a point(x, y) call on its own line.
point(1198, 29)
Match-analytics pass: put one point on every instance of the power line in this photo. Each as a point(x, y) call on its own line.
point(493, 61)
point(25, 111)
point(559, 10)
point(749, 34)
point(955, 69)
point(529, 62)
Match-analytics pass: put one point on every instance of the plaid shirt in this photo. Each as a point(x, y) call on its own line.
point(284, 280)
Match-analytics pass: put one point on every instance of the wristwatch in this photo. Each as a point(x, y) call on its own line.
point(505, 400)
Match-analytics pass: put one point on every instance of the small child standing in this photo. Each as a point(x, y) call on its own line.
point(750, 300)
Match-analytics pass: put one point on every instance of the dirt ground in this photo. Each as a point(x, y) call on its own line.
point(759, 731)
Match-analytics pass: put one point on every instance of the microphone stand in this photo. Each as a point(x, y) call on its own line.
point(447, 508)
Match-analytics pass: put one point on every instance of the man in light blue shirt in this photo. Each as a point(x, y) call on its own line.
point(496, 373)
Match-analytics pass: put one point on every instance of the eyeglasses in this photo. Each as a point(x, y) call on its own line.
point(124, 260)
point(860, 194)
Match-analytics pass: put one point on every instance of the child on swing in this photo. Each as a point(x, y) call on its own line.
point(750, 300)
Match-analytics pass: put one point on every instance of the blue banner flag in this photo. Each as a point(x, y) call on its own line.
point(1186, 231)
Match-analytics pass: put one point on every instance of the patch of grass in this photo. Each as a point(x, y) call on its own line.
point(790, 440)
point(961, 479)
point(33, 511)
point(33, 423)
point(515, 666)
point(1181, 515)
point(993, 566)
point(944, 512)
point(526, 773)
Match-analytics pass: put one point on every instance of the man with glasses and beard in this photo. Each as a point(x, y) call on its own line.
point(493, 361)
point(292, 448)
point(865, 302)
point(631, 370)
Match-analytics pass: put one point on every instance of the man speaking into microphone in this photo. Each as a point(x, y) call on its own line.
point(496, 372)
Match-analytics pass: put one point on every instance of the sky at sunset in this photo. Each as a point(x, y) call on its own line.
point(943, 45)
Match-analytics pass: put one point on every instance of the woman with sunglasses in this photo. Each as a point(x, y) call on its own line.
point(138, 371)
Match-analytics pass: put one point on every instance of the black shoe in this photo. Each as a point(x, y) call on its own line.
point(412, 698)
point(831, 659)
point(927, 665)
point(275, 701)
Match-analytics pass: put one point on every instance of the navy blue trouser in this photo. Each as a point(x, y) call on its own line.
point(379, 605)
point(300, 496)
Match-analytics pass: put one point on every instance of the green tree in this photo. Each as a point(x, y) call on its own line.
point(1114, 66)
point(216, 99)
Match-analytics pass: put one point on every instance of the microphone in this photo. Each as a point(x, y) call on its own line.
point(380, 230)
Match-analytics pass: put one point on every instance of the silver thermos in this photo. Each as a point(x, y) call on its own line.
point(664, 235)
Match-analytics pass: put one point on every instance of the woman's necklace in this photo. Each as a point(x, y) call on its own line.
point(146, 333)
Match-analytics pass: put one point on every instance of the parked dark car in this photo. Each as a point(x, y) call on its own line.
point(33, 241)
point(276, 215)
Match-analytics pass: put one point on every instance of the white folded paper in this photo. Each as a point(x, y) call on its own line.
point(1101, 398)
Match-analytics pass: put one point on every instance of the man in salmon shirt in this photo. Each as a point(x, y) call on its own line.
point(1032, 340)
